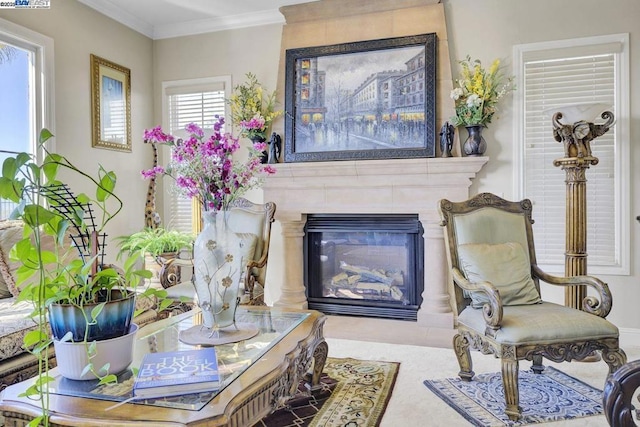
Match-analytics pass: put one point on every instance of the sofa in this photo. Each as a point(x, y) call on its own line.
point(17, 364)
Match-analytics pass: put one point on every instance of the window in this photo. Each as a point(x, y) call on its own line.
point(550, 75)
point(26, 82)
point(189, 101)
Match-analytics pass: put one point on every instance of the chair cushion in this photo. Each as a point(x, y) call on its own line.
point(505, 265)
point(543, 323)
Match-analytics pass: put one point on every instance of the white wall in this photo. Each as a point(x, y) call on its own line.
point(79, 31)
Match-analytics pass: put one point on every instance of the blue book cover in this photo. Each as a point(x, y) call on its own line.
point(177, 372)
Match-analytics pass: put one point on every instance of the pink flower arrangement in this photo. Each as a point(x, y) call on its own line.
point(254, 127)
point(203, 167)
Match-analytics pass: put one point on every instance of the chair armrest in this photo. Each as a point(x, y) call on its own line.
point(259, 263)
point(600, 306)
point(492, 311)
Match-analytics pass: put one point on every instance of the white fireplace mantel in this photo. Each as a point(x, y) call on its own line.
point(367, 186)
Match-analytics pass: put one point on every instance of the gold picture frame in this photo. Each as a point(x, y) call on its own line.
point(110, 105)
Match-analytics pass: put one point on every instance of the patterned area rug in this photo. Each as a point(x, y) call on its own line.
point(354, 392)
point(550, 396)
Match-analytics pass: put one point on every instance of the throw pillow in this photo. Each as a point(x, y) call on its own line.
point(505, 265)
point(248, 243)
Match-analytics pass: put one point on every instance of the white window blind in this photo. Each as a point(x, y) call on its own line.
point(552, 78)
point(199, 102)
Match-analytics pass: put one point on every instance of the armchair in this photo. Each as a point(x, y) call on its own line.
point(248, 217)
point(496, 281)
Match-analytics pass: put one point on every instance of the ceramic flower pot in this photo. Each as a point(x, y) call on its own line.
point(113, 321)
point(72, 357)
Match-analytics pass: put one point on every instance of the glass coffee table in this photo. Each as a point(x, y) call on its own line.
point(257, 376)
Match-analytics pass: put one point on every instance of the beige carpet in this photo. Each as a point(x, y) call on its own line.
point(412, 404)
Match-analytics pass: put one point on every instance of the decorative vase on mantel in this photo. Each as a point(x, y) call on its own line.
point(264, 157)
point(217, 262)
point(474, 145)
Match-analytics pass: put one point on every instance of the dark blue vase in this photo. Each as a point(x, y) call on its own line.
point(475, 145)
point(113, 321)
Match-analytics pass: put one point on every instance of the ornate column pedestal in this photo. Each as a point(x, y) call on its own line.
point(575, 263)
point(577, 139)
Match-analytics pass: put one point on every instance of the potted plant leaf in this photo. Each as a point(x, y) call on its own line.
point(160, 247)
point(62, 261)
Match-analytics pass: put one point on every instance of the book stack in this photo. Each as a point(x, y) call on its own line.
point(177, 372)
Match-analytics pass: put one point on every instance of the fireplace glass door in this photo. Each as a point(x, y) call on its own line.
point(364, 265)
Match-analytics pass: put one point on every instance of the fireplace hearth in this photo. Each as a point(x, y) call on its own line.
point(364, 265)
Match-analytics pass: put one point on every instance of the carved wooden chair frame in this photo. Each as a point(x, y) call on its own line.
point(484, 341)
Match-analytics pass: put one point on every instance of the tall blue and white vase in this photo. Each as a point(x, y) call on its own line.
point(217, 268)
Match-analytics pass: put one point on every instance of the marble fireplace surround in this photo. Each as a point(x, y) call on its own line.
point(393, 186)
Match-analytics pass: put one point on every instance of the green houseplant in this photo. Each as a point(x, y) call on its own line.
point(74, 276)
point(160, 247)
point(155, 242)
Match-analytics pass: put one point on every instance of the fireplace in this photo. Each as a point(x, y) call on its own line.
point(371, 187)
point(364, 265)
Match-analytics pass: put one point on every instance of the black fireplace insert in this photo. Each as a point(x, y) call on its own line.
point(364, 265)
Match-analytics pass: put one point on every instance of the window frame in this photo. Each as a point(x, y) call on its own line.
point(186, 86)
point(43, 107)
point(622, 135)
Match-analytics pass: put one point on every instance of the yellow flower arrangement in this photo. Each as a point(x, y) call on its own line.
point(478, 92)
point(252, 109)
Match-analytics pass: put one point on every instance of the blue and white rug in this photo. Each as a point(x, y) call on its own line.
point(550, 396)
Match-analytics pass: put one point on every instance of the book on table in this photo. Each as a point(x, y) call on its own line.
point(177, 372)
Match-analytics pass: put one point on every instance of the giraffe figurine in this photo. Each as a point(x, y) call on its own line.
point(151, 217)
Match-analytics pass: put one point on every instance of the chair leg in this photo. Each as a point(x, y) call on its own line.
point(537, 366)
point(461, 347)
point(510, 384)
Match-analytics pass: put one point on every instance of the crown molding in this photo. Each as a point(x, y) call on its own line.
point(211, 25)
point(200, 26)
point(121, 16)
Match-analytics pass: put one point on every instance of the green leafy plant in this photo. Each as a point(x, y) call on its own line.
point(154, 241)
point(49, 275)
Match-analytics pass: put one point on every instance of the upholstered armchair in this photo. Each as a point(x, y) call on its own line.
point(496, 281)
point(254, 220)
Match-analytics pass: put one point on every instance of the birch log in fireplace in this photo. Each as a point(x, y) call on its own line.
point(393, 186)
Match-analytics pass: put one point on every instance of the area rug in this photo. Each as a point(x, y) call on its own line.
point(550, 396)
point(354, 392)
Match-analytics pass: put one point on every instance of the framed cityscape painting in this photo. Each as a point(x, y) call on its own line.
point(362, 100)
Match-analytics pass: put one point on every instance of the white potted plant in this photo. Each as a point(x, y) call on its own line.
point(70, 279)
